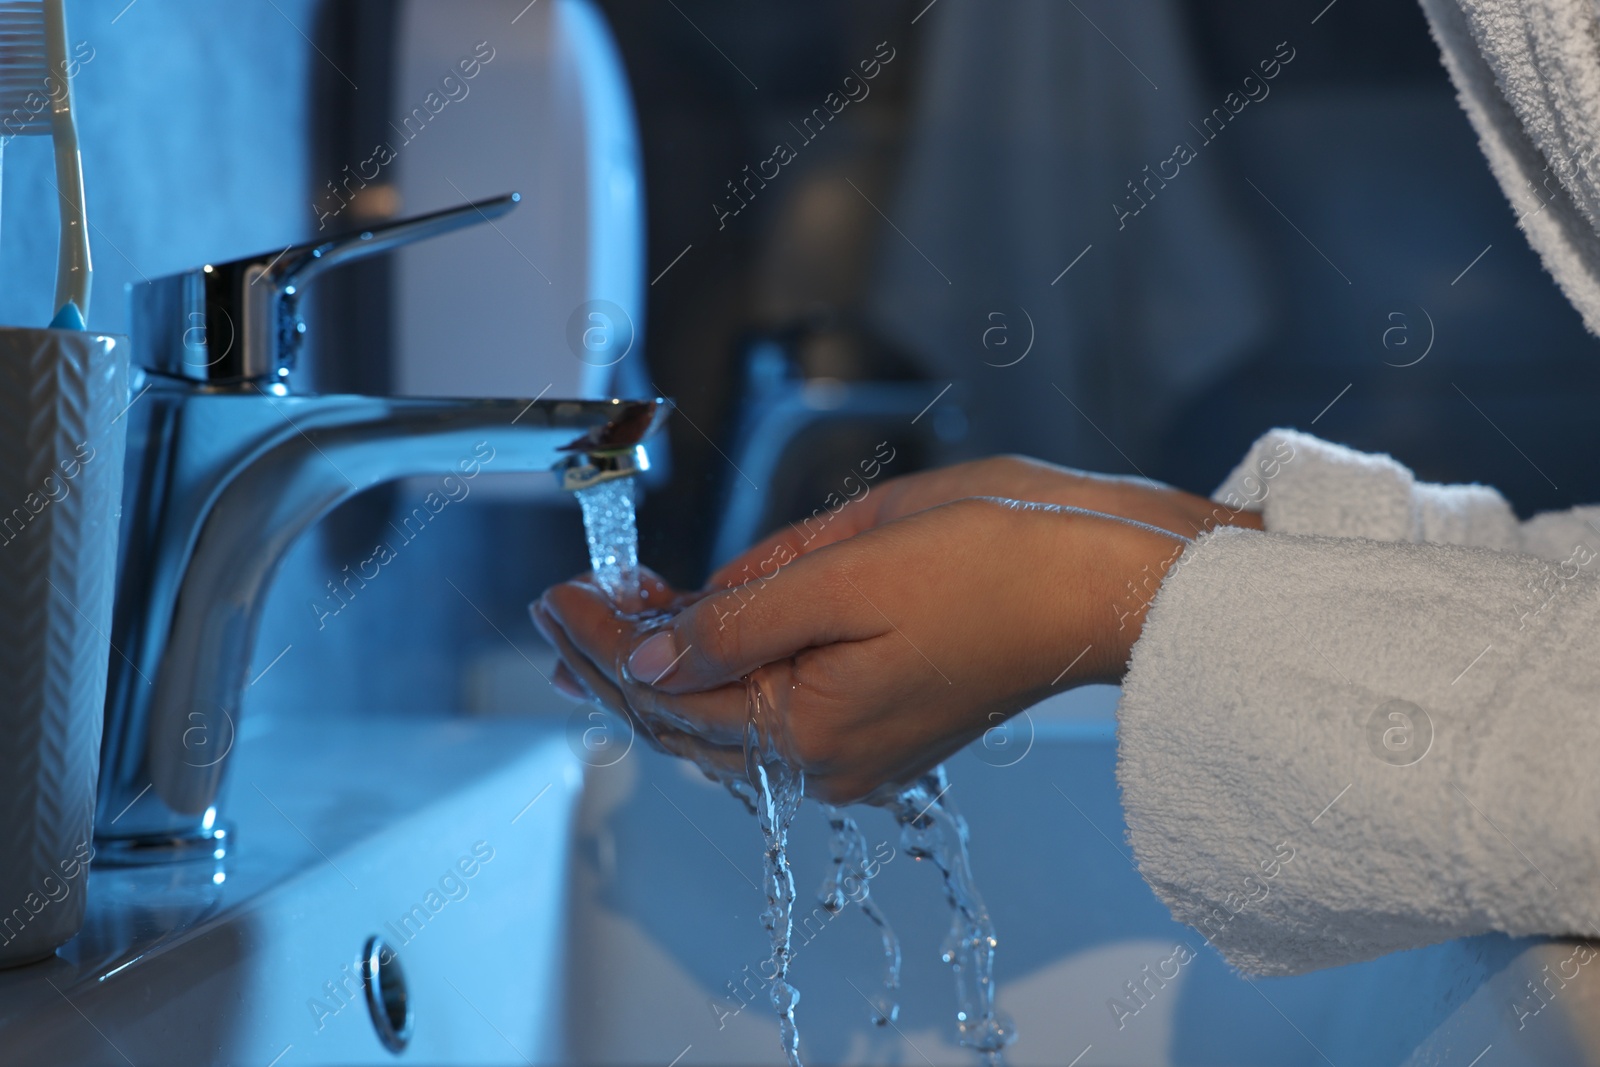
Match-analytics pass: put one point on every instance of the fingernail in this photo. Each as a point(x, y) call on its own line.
point(654, 659)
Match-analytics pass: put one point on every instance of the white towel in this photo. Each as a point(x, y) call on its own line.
point(1272, 800)
point(1528, 74)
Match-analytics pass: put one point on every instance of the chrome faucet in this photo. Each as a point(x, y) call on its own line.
point(227, 467)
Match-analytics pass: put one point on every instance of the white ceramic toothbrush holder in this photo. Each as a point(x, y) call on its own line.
point(63, 395)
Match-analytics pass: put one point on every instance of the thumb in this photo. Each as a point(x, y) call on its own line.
point(808, 603)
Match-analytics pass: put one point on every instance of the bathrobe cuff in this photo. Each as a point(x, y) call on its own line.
point(1304, 485)
point(1331, 748)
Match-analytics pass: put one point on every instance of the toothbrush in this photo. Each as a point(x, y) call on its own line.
point(33, 77)
point(74, 269)
point(24, 70)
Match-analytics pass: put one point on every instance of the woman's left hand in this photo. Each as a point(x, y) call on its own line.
point(885, 652)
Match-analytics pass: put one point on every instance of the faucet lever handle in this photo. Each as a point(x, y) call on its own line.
point(238, 321)
point(299, 265)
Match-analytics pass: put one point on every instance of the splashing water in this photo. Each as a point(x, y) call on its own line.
point(778, 787)
point(849, 847)
point(931, 828)
point(613, 533)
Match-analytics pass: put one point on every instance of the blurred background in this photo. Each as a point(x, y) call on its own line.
point(1335, 258)
point(938, 225)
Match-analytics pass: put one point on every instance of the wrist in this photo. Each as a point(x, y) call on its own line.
point(1134, 560)
point(1209, 515)
point(1250, 520)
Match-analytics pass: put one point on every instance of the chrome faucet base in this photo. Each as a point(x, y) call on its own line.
point(183, 846)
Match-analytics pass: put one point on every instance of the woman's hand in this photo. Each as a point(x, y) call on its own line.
point(885, 652)
point(1009, 477)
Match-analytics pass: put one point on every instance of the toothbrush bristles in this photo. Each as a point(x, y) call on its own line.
point(24, 69)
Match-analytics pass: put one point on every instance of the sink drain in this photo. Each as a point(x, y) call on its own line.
point(388, 1000)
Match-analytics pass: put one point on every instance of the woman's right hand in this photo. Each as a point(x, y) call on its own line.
point(1004, 477)
point(881, 654)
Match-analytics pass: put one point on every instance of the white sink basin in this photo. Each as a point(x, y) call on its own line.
point(342, 830)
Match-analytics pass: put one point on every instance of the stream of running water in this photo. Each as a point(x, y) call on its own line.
point(779, 786)
point(930, 828)
point(849, 880)
point(612, 529)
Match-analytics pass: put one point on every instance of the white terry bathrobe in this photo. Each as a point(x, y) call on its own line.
point(1377, 725)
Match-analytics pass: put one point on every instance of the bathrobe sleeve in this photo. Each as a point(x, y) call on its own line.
point(1372, 727)
point(1304, 485)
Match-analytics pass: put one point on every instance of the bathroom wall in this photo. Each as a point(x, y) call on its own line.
point(192, 118)
point(197, 123)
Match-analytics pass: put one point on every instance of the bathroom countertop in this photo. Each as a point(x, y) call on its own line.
point(306, 799)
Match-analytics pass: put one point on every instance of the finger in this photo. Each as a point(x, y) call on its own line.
point(595, 630)
point(720, 763)
point(590, 679)
point(654, 594)
point(774, 550)
point(726, 763)
point(597, 684)
point(876, 505)
point(726, 635)
point(789, 543)
point(715, 762)
point(568, 683)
